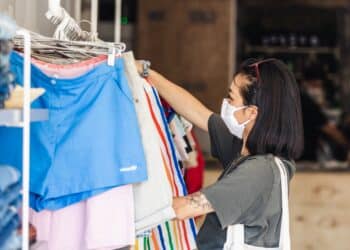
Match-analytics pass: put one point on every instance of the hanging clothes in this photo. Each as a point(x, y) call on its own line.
point(105, 221)
point(153, 198)
point(194, 176)
point(91, 142)
point(191, 155)
point(171, 234)
point(71, 70)
point(102, 221)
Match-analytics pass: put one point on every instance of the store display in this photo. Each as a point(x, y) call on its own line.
point(75, 105)
point(152, 220)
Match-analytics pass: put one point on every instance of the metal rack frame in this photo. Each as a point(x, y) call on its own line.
point(22, 118)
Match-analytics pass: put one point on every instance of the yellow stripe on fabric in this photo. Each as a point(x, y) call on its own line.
point(176, 235)
point(137, 244)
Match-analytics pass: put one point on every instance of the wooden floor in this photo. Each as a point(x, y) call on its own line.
point(319, 210)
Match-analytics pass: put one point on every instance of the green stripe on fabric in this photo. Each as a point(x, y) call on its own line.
point(144, 243)
point(148, 244)
point(169, 235)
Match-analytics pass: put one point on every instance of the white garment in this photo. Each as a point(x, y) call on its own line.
point(235, 233)
point(152, 198)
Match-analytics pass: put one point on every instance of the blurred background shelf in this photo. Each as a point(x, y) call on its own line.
point(293, 50)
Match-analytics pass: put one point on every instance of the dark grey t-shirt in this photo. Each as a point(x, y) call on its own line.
point(248, 192)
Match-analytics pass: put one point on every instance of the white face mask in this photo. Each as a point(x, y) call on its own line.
point(227, 114)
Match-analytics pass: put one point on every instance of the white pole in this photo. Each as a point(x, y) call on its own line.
point(117, 21)
point(26, 139)
point(77, 10)
point(55, 7)
point(94, 15)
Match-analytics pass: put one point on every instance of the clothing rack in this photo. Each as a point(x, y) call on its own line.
point(26, 140)
point(55, 9)
point(22, 118)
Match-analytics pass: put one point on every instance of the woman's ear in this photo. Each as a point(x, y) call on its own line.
point(252, 112)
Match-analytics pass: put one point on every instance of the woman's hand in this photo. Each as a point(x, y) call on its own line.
point(182, 101)
point(191, 206)
point(139, 67)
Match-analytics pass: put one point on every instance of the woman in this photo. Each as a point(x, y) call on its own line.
point(260, 118)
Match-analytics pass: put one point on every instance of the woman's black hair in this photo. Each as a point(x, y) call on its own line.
point(278, 127)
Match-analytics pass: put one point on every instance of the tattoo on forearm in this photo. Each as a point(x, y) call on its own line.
point(198, 200)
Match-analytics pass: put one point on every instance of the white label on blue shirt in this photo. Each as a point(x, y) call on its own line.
point(128, 169)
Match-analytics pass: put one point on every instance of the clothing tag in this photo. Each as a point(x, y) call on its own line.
point(111, 56)
point(128, 169)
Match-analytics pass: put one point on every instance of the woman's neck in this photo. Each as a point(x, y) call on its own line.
point(244, 150)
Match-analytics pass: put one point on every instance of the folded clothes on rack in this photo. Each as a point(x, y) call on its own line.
point(12, 242)
point(91, 142)
point(7, 32)
point(10, 214)
point(9, 177)
point(7, 231)
point(10, 187)
point(11, 195)
point(15, 203)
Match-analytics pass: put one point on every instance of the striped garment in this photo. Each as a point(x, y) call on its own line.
point(172, 235)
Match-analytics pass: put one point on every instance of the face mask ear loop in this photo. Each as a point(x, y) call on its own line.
point(238, 109)
point(246, 122)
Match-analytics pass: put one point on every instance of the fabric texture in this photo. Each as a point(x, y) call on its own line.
point(69, 70)
point(259, 209)
point(235, 239)
point(153, 198)
point(105, 221)
point(92, 129)
point(13, 242)
point(10, 187)
point(171, 235)
point(9, 176)
point(8, 230)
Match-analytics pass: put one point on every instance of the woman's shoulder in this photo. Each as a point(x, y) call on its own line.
point(266, 163)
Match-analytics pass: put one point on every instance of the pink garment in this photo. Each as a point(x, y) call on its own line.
point(105, 221)
point(70, 70)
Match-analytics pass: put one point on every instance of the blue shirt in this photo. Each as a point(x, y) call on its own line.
point(90, 143)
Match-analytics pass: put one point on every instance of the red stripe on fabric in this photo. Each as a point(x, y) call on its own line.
point(155, 241)
point(162, 136)
point(186, 235)
point(168, 173)
point(181, 234)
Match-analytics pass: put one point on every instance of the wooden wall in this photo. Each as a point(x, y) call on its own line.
point(320, 211)
point(190, 42)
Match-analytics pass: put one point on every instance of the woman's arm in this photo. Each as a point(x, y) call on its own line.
point(181, 100)
point(191, 206)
